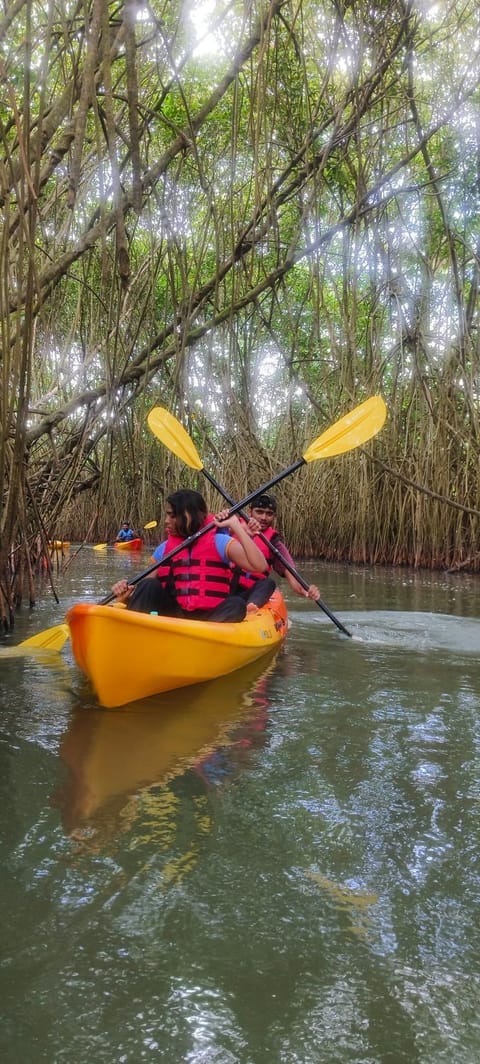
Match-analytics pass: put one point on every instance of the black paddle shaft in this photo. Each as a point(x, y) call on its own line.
point(235, 509)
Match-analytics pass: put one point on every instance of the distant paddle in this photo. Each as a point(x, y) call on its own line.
point(168, 429)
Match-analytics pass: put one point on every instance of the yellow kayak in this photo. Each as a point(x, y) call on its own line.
point(128, 656)
point(59, 544)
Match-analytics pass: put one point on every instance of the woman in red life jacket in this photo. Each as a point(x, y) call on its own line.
point(256, 587)
point(197, 581)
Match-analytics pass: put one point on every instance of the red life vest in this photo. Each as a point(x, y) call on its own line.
point(248, 580)
point(201, 579)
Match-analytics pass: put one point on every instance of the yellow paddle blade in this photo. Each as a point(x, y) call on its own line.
point(100, 546)
point(353, 429)
point(50, 639)
point(151, 524)
point(167, 429)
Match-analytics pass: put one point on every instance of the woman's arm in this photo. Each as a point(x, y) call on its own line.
point(242, 550)
point(122, 589)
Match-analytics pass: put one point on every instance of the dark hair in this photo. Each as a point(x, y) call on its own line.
point(264, 501)
point(190, 510)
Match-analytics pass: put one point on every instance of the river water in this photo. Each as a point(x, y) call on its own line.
point(280, 867)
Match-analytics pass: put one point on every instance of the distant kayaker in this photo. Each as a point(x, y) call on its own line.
point(196, 582)
point(125, 533)
point(256, 588)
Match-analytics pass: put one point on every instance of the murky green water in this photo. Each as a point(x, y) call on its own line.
point(277, 868)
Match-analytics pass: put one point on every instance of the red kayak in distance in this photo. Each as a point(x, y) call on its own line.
point(129, 544)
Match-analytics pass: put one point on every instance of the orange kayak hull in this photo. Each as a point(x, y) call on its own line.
point(129, 544)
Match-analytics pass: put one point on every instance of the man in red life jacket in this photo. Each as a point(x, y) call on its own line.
point(196, 582)
point(256, 588)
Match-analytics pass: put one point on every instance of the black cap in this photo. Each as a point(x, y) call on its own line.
point(265, 500)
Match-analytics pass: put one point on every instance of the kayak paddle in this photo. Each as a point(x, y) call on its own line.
point(349, 432)
point(50, 639)
point(168, 429)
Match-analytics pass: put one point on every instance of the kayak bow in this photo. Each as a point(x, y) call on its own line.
point(128, 655)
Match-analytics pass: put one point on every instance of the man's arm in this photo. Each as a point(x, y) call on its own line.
point(313, 591)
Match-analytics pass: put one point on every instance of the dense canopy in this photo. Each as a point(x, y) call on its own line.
point(256, 214)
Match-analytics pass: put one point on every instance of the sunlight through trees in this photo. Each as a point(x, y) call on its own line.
point(256, 214)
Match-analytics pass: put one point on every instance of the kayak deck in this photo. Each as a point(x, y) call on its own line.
point(128, 656)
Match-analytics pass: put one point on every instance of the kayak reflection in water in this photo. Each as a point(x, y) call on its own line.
point(136, 771)
point(224, 761)
point(197, 582)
